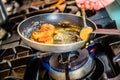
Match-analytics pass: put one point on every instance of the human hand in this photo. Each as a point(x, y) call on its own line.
point(93, 4)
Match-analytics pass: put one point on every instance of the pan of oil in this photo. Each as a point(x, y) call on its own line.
point(27, 26)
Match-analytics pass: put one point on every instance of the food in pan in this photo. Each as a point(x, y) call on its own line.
point(50, 34)
point(44, 34)
point(66, 35)
point(84, 33)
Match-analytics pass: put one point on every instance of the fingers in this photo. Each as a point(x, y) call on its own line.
point(93, 4)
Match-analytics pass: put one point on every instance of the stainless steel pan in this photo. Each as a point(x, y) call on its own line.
point(30, 24)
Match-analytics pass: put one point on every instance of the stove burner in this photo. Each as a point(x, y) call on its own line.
point(75, 60)
point(32, 71)
point(95, 74)
point(79, 64)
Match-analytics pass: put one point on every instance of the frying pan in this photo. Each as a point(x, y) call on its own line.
point(30, 24)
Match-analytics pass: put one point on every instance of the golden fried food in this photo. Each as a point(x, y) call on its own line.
point(46, 39)
point(44, 35)
point(38, 34)
point(84, 33)
point(48, 27)
point(50, 34)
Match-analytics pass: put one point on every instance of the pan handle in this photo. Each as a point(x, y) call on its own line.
point(107, 31)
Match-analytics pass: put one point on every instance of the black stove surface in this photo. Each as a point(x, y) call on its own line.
point(15, 56)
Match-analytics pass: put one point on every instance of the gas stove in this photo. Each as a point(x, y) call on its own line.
point(18, 61)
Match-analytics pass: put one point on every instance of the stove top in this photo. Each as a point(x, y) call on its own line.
point(17, 59)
